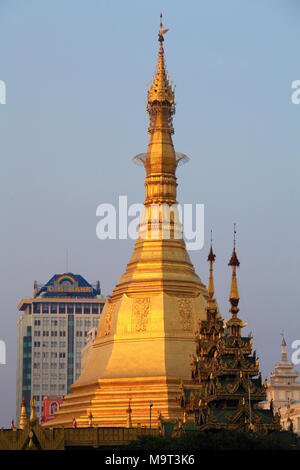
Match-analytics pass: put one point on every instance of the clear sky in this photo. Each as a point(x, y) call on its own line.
point(76, 74)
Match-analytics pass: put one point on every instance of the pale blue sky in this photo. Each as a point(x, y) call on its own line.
point(76, 74)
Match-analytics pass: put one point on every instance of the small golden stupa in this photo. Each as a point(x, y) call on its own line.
point(146, 331)
point(23, 415)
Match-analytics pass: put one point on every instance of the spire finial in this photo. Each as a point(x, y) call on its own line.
point(234, 324)
point(234, 262)
point(234, 259)
point(283, 349)
point(211, 288)
point(161, 94)
point(211, 256)
point(283, 343)
point(161, 31)
point(234, 234)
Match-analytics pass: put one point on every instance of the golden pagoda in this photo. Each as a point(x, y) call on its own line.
point(146, 331)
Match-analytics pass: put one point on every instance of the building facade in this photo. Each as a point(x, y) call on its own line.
point(284, 392)
point(51, 334)
point(290, 417)
point(283, 388)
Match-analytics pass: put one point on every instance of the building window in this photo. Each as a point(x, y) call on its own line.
point(62, 333)
point(101, 307)
point(95, 308)
point(37, 322)
point(45, 308)
point(62, 308)
point(53, 407)
point(78, 308)
point(36, 308)
point(53, 308)
point(70, 308)
point(36, 344)
point(53, 322)
point(87, 308)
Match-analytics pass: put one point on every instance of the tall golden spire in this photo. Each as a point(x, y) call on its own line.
point(234, 325)
point(23, 416)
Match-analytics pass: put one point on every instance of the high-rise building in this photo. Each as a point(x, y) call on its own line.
point(51, 334)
